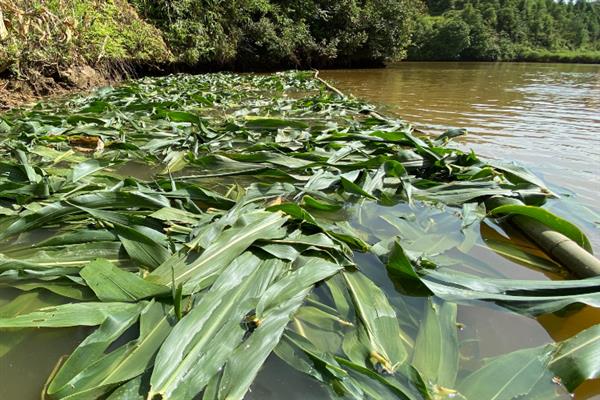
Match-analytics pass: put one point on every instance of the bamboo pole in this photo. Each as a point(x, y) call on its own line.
point(328, 85)
point(564, 250)
point(341, 94)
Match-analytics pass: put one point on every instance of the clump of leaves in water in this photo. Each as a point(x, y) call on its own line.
point(203, 223)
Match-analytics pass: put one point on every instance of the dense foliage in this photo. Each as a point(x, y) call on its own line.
point(508, 30)
point(266, 33)
point(44, 42)
point(208, 224)
point(48, 37)
point(49, 44)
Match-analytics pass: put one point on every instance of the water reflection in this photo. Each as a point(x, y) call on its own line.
point(24, 369)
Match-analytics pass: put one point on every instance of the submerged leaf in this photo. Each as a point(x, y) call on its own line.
point(506, 377)
point(436, 354)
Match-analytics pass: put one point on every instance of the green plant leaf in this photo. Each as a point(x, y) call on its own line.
point(506, 377)
point(275, 309)
point(224, 249)
point(578, 358)
point(77, 314)
point(87, 167)
point(113, 284)
point(90, 373)
point(382, 340)
point(436, 352)
point(547, 218)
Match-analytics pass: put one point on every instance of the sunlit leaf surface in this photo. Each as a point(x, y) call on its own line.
point(202, 224)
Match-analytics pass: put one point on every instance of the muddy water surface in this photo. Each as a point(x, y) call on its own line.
point(544, 116)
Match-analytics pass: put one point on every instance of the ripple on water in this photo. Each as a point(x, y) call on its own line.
point(545, 116)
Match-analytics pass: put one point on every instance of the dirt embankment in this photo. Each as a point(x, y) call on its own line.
point(16, 92)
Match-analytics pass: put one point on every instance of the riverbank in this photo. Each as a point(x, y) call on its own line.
point(42, 42)
point(53, 48)
point(564, 56)
point(526, 55)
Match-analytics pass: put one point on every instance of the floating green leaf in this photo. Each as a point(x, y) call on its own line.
point(113, 284)
point(547, 218)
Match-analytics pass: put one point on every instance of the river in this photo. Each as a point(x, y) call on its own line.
point(543, 116)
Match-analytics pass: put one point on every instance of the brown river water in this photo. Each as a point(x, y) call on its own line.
point(544, 116)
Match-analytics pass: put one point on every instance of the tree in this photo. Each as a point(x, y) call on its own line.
point(292, 33)
point(446, 38)
point(502, 29)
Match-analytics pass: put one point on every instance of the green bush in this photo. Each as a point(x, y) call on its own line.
point(265, 33)
point(440, 38)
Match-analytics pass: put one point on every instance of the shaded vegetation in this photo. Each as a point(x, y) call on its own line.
point(203, 223)
point(488, 30)
point(49, 37)
point(255, 34)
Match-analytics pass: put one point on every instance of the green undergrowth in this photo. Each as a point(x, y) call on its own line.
point(49, 37)
point(205, 223)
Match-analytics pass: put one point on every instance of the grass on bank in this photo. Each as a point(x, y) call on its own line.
point(51, 40)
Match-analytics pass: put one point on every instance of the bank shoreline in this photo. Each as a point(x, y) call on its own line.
point(16, 92)
point(534, 56)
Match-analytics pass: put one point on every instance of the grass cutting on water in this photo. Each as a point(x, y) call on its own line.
point(200, 225)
